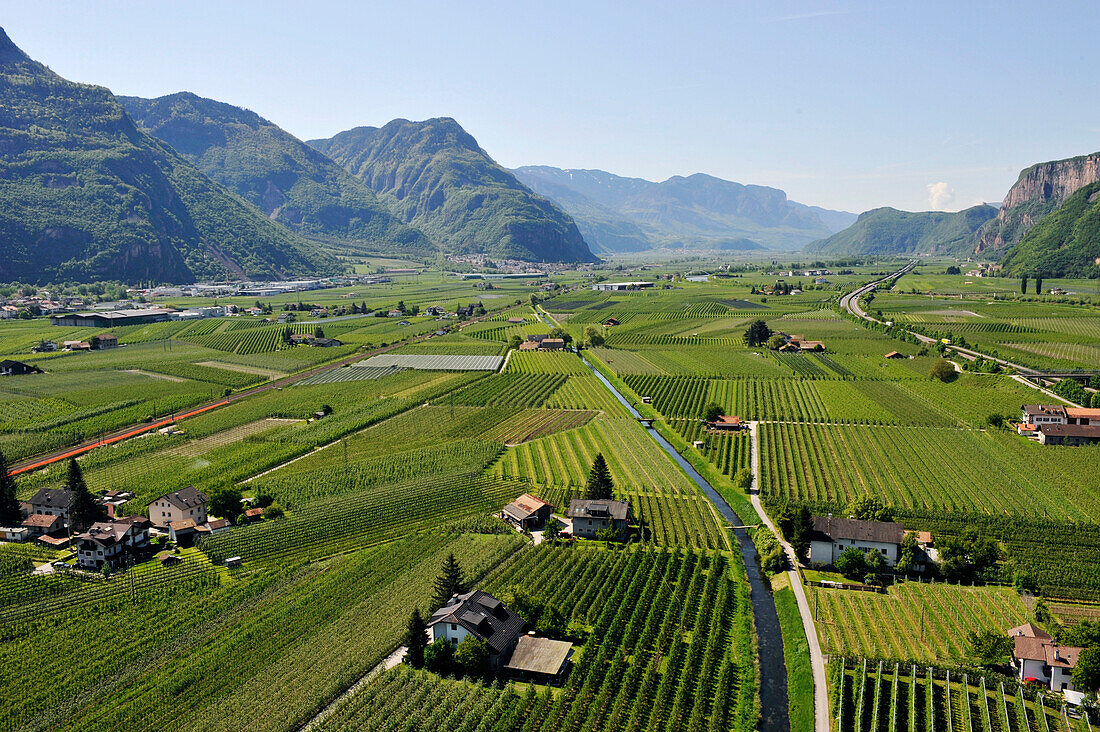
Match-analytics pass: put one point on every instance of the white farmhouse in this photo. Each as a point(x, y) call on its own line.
point(1038, 658)
point(831, 537)
point(483, 616)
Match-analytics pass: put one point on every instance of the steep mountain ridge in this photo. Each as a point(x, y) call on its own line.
point(618, 213)
point(887, 231)
point(1038, 191)
point(1066, 243)
point(435, 176)
point(85, 195)
point(284, 177)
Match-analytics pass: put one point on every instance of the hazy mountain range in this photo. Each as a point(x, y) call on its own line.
point(618, 214)
point(179, 188)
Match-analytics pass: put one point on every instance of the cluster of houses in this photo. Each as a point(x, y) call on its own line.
point(1055, 424)
point(542, 342)
point(179, 515)
point(586, 517)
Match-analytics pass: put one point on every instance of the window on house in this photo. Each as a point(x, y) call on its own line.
point(454, 626)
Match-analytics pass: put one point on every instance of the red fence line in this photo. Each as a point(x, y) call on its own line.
point(116, 438)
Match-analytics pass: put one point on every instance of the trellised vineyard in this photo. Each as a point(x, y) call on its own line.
point(667, 647)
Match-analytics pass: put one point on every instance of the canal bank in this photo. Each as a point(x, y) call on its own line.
point(773, 669)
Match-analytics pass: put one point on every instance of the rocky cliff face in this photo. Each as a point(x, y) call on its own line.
point(1038, 191)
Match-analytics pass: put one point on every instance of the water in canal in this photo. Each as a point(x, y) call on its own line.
point(773, 669)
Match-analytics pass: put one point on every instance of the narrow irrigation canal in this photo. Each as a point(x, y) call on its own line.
point(773, 669)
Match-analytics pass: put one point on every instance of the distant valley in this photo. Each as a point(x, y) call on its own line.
point(619, 214)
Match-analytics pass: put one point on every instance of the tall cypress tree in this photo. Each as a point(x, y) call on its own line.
point(10, 513)
point(83, 509)
point(416, 639)
point(449, 582)
point(600, 485)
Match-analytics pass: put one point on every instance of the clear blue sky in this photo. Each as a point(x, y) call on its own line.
point(848, 105)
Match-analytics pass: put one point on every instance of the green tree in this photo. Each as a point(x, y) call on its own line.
point(852, 563)
point(802, 523)
point(943, 371)
point(439, 656)
point(515, 342)
point(1023, 285)
point(225, 502)
point(743, 479)
point(273, 511)
point(869, 508)
point(561, 333)
point(10, 513)
point(995, 421)
point(1038, 283)
point(287, 332)
point(318, 332)
point(472, 656)
point(600, 486)
point(552, 623)
point(712, 412)
point(593, 337)
point(776, 342)
point(1086, 676)
point(989, 647)
point(84, 510)
point(416, 639)
point(607, 533)
point(907, 558)
point(552, 532)
point(449, 582)
point(758, 333)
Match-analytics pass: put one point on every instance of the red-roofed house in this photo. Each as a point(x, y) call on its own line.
point(726, 423)
point(1037, 657)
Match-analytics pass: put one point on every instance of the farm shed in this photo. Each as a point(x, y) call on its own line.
point(111, 318)
point(726, 423)
point(894, 354)
point(527, 512)
point(540, 660)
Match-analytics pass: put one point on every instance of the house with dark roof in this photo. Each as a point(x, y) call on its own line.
point(109, 542)
point(1038, 658)
point(483, 616)
point(52, 502)
point(527, 512)
point(180, 505)
point(590, 516)
point(17, 368)
point(1068, 434)
point(831, 537)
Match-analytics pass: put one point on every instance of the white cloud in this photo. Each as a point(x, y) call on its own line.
point(940, 196)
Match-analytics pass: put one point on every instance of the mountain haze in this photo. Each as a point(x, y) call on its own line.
point(85, 195)
point(435, 176)
point(887, 231)
point(617, 213)
point(284, 177)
